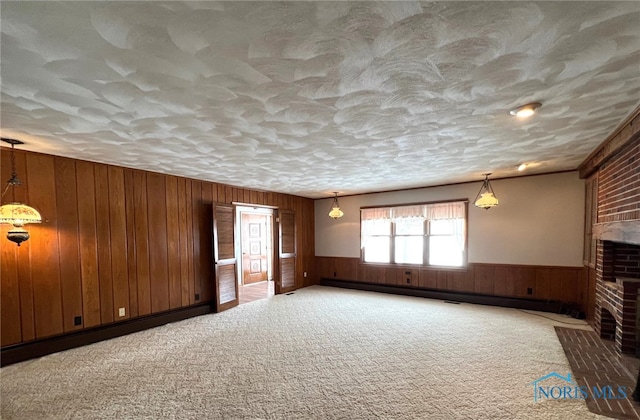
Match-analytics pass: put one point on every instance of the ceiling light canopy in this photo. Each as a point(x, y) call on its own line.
point(526, 111)
point(522, 167)
point(335, 212)
point(14, 213)
point(486, 197)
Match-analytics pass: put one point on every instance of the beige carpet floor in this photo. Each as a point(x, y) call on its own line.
point(321, 353)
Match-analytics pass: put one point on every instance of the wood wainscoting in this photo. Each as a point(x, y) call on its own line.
point(117, 244)
point(567, 285)
point(38, 348)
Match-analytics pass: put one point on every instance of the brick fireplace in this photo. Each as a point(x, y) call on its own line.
point(612, 235)
point(617, 286)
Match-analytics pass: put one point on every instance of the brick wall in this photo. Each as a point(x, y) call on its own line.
point(619, 186)
point(615, 259)
point(618, 200)
point(626, 260)
point(616, 301)
point(606, 264)
point(616, 310)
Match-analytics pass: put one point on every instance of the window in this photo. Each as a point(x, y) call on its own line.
point(423, 234)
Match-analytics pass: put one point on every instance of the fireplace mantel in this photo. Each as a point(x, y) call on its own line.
point(626, 231)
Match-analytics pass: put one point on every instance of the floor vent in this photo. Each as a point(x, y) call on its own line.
point(450, 301)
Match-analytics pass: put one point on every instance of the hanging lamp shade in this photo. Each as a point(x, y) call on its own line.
point(486, 198)
point(335, 212)
point(19, 214)
point(14, 213)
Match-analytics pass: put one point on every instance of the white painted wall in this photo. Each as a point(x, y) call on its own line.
point(539, 220)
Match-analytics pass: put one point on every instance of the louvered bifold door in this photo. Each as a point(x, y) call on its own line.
point(287, 251)
point(224, 256)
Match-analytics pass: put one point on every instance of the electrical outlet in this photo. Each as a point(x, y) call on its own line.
point(121, 312)
point(304, 274)
point(197, 296)
point(529, 291)
point(77, 320)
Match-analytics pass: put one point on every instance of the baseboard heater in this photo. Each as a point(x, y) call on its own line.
point(509, 302)
point(38, 348)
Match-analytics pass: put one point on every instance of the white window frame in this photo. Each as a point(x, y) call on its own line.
point(426, 211)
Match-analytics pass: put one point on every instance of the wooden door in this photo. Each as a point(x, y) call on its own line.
point(224, 256)
point(254, 247)
point(286, 220)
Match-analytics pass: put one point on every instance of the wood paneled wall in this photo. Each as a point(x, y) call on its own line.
point(564, 284)
point(115, 238)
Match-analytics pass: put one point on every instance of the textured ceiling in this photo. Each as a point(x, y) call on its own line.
point(314, 97)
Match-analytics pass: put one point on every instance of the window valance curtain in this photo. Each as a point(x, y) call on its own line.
point(380, 213)
point(450, 210)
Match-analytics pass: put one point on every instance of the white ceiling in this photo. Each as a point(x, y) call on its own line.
point(313, 97)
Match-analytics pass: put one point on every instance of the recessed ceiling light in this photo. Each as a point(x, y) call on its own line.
point(522, 167)
point(525, 111)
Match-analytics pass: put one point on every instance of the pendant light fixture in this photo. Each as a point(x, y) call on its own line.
point(14, 213)
point(335, 212)
point(486, 197)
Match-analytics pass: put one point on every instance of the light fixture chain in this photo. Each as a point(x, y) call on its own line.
point(5, 190)
point(13, 161)
point(14, 176)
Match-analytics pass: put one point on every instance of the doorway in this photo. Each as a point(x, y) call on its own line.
point(255, 252)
